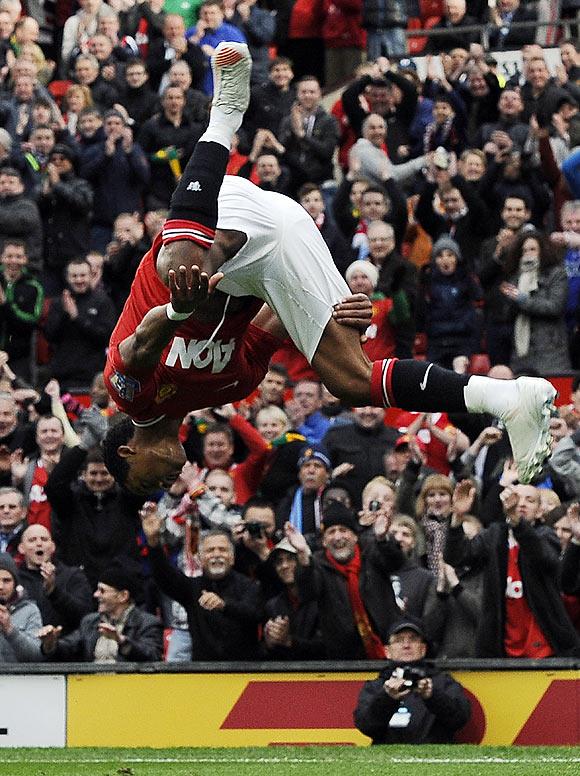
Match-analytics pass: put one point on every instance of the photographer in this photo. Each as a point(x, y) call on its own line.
point(254, 541)
point(411, 702)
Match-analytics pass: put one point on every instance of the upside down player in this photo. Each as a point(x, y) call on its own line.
point(181, 345)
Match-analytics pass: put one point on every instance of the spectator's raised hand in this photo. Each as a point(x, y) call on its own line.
point(490, 436)
point(109, 631)
point(151, 523)
point(509, 502)
point(463, 498)
point(297, 541)
point(382, 524)
point(18, 467)
point(48, 574)
point(49, 635)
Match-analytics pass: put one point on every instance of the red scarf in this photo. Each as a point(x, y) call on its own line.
point(374, 647)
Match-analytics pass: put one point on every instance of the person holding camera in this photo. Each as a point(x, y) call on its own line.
point(411, 701)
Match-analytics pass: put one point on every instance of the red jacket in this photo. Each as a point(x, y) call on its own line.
point(306, 19)
point(342, 25)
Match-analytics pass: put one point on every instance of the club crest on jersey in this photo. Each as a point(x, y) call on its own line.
point(196, 354)
point(125, 386)
point(165, 392)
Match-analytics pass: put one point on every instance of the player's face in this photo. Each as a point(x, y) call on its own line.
point(153, 468)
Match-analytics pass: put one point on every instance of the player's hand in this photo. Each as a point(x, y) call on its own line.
point(189, 287)
point(356, 311)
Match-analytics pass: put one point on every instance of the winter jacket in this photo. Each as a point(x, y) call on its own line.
point(304, 629)
point(548, 351)
point(539, 567)
point(230, 633)
point(20, 219)
point(321, 582)
point(448, 312)
point(432, 721)
point(341, 27)
point(90, 530)
point(362, 447)
point(22, 645)
point(144, 634)
point(118, 180)
point(68, 603)
point(310, 157)
point(79, 344)
point(19, 314)
point(66, 212)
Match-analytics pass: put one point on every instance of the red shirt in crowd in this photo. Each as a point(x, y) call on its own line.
point(523, 636)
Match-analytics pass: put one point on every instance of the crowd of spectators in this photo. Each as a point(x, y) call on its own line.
point(298, 529)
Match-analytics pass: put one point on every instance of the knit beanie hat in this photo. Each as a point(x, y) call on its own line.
point(446, 242)
point(7, 564)
point(362, 265)
point(335, 513)
point(115, 576)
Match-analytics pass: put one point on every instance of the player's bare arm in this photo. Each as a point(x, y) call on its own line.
point(188, 289)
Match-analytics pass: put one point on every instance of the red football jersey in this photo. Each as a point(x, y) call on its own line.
point(189, 374)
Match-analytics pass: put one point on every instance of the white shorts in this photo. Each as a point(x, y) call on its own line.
point(285, 260)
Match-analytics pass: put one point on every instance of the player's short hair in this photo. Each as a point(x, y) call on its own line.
point(119, 434)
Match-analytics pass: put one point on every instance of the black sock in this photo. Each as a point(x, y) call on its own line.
point(419, 386)
point(196, 196)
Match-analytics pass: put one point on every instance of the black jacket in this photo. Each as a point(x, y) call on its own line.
point(144, 634)
point(20, 219)
point(454, 38)
point(90, 530)
point(571, 570)
point(304, 629)
point(365, 448)
point(432, 721)
point(19, 314)
point(539, 567)
point(227, 634)
point(468, 231)
point(66, 213)
point(310, 158)
point(321, 582)
point(79, 345)
point(268, 106)
point(68, 603)
point(515, 38)
point(158, 133)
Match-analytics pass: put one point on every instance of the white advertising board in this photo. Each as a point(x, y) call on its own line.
point(32, 711)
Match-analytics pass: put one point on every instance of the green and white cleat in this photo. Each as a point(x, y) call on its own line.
point(231, 64)
point(527, 422)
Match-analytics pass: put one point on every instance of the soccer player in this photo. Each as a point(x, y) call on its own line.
point(179, 345)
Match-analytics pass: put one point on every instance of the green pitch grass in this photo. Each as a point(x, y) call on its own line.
point(294, 761)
